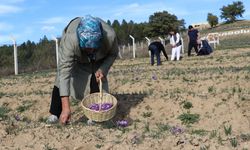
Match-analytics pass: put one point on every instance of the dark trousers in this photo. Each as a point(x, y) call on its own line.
point(192, 45)
point(155, 52)
point(56, 102)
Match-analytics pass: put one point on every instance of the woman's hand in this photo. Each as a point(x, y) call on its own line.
point(65, 116)
point(99, 75)
point(66, 112)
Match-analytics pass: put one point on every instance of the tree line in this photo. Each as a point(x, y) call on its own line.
point(159, 24)
point(31, 56)
point(42, 55)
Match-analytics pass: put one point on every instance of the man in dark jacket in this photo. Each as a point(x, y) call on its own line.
point(156, 48)
point(193, 36)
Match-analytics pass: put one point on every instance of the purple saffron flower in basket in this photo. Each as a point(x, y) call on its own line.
point(176, 130)
point(122, 123)
point(94, 106)
point(106, 106)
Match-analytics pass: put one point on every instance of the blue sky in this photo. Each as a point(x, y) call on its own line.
point(32, 19)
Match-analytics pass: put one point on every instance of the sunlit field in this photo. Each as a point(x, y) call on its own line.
point(200, 102)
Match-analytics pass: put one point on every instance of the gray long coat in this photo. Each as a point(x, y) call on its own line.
point(74, 72)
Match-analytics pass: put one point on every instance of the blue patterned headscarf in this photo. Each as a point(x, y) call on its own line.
point(89, 32)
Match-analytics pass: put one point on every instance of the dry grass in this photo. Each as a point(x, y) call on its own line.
point(196, 103)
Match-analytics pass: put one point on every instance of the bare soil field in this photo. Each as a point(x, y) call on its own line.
point(200, 102)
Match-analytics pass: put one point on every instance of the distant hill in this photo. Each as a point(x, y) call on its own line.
point(242, 24)
point(240, 40)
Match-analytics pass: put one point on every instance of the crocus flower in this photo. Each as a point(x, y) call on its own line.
point(154, 77)
point(176, 130)
point(94, 106)
point(122, 123)
point(104, 106)
point(17, 117)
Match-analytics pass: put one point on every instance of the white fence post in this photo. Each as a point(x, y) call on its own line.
point(133, 39)
point(182, 45)
point(123, 49)
point(149, 41)
point(142, 45)
point(119, 53)
point(129, 49)
point(162, 41)
point(56, 40)
point(15, 56)
point(213, 38)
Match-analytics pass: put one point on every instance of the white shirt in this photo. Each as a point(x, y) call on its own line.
point(172, 41)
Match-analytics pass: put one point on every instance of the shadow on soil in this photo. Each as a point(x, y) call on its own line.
point(125, 102)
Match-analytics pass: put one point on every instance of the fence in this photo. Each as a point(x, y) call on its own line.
point(236, 32)
point(141, 49)
point(214, 38)
point(136, 50)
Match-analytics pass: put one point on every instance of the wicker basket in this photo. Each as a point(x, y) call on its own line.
point(99, 98)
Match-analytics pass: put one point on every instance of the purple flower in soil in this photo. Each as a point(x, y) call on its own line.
point(154, 77)
point(122, 123)
point(176, 130)
point(17, 117)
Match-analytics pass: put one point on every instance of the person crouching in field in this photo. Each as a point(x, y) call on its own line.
point(156, 48)
point(175, 42)
point(87, 50)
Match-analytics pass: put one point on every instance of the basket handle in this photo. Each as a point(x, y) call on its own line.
point(101, 93)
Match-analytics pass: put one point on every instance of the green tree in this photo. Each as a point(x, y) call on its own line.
point(109, 22)
point(212, 19)
point(232, 11)
point(125, 29)
point(160, 23)
point(116, 26)
point(138, 31)
point(6, 57)
point(124, 32)
point(44, 56)
point(31, 56)
point(182, 27)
